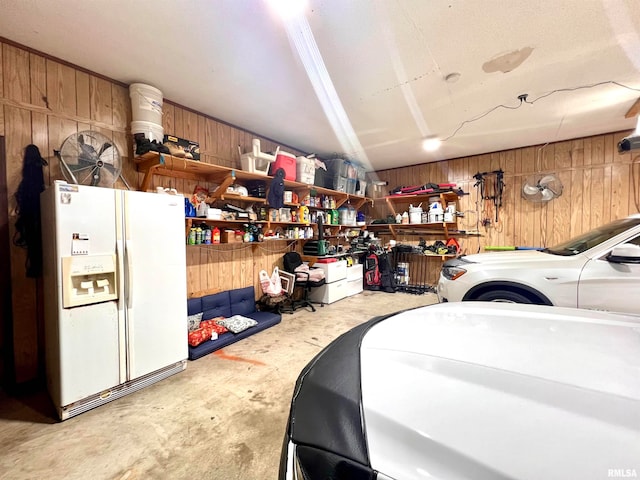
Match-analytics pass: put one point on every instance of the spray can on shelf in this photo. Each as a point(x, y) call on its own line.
point(303, 215)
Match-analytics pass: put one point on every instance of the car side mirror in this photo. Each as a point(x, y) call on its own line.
point(625, 253)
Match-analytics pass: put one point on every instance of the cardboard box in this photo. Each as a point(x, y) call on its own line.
point(187, 145)
point(231, 236)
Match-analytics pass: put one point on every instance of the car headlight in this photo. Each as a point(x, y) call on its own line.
point(452, 272)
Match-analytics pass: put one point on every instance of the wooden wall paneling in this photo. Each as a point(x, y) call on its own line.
point(202, 134)
point(597, 196)
point(168, 118)
point(39, 129)
point(59, 130)
point(597, 150)
point(563, 154)
point(211, 140)
point(244, 262)
point(38, 80)
point(121, 106)
point(606, 194)
point(234, 141)
point(210, 267)
point(178, 123)
point(586, 197)
point(16, 74)
point(190, 125)
point(83, 97)
point(548, 221)
point(575, 193)
point(587, 151)
point(24, 301)
point(83, 101)
point(609, 148)
point(194, 265)
point(517, 234)
point(547, 161)
point(246, 142)
point(620, 174)
point(225, 273)
point(528, 157)
point(562, 211)
point(454, 170)
point(577, 153)
point(101, 100)
point(223, 144)
point(61, 88)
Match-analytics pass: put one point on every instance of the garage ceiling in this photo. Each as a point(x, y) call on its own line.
point(366, 78)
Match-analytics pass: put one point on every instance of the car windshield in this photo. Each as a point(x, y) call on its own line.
point(593, 238)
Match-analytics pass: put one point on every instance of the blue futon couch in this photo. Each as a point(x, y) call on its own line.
point(240, 301)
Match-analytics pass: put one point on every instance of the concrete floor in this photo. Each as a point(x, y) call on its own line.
point(222, 418)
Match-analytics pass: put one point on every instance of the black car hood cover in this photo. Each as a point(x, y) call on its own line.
point(326, 411)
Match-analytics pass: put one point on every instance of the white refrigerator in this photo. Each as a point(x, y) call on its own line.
point(115, 292)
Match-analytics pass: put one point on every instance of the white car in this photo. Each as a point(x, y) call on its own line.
point(471, 391)
point(598, 270)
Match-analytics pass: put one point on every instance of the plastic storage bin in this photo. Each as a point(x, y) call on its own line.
point(286, 161)
point(323, 178)
point(306, 170)
point(344, 184)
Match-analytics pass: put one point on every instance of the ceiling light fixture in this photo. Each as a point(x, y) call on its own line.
point(287, 9)
point(431, 144)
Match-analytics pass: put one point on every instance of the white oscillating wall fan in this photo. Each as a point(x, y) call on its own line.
point(542, 188)
point(90, 158)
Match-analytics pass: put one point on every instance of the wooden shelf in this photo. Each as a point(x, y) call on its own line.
point(154, 163)
point(447, 229)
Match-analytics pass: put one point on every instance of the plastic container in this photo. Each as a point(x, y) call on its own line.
point(436, 213)
point(146, 103)
point(361, 187)
point(151, 131)
point(323, 178)
point(286, 161)
point(344, 168)
point(306, 170)
point(402, 273)
point(347, 215)
point(415, 214)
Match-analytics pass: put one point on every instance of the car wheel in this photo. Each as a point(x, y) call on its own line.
point(504, 296)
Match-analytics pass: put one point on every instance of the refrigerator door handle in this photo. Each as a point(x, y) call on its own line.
point(129, 266)
point(122, 335)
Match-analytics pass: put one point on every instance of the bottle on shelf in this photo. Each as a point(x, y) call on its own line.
point(215, 235)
